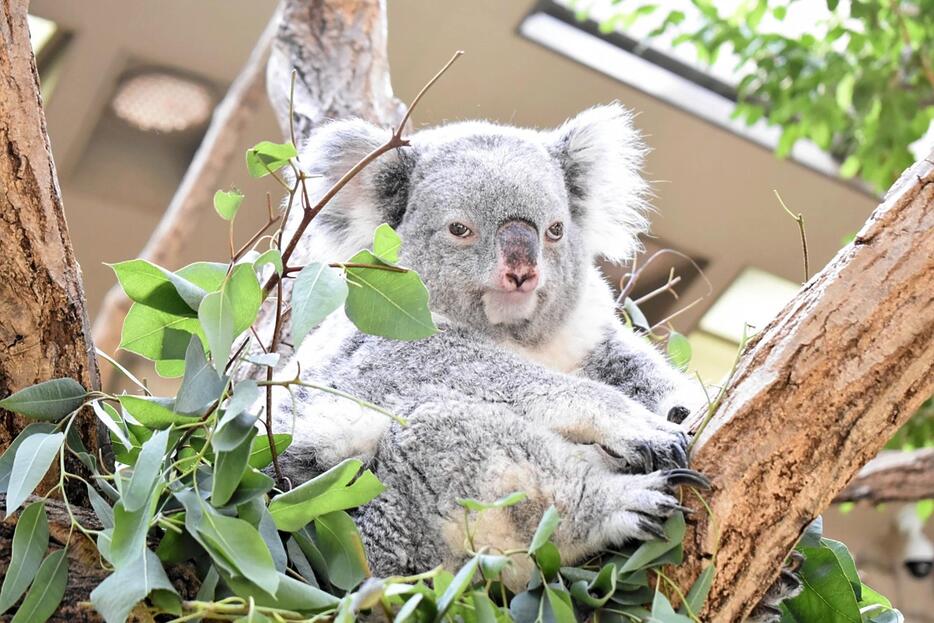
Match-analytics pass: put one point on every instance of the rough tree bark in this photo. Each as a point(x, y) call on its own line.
point(817, 395)
point(893, 477)
point(43, 322)
point(44, 330)
point(220, 143)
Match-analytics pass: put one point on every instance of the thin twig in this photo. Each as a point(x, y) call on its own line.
point(259, 233)
point(627, 289)
point(668, 287)
point(395, 141)
point(799, 219)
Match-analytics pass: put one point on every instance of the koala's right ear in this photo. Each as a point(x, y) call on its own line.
point(377, 194)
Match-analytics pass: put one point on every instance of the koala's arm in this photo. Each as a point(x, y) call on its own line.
point(462, 367)
point(631, 364)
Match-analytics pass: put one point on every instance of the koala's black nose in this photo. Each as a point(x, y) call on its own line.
point(517, 248)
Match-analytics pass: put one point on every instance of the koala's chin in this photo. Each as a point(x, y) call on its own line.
point(509, 307)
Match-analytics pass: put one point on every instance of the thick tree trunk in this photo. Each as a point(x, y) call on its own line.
point(220, 144)
point(43, 322)
point(817, 395)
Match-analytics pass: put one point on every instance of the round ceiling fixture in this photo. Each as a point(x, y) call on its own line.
point(162, 101)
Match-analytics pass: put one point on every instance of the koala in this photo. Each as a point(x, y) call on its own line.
point(532, 383)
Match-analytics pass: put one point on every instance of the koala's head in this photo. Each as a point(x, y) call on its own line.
point(501, 223)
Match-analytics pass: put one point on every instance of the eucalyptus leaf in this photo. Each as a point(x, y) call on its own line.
point(159, 336)
point(319, 290)
point(679, 350)
point(546, 527)
point(9, 454)
point(146, 472)
point(153, 412)
point(30, 542)
point(115, 597)
point(49, 401)
point(47, 590)
point(386, 244)
point(201, 385)
point(651, 551)
point(267, 157)
point(229, 467)
point(340, 544)
point(33, 458)
point(261, 455)
point(158, 288)
point(458, 585)
point(504, 502)
point(226, 203)
point(386, 303)
point(294, 510)
point(230, 311)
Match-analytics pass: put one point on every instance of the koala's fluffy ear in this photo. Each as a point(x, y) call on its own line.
point(378, 194)
point(601, 154)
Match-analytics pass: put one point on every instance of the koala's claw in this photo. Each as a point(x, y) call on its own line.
point(684, 476)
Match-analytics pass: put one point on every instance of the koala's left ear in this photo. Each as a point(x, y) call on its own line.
point(601, 154)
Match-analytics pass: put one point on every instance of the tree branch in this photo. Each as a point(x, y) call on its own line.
point(893, 476)
point(816, 396)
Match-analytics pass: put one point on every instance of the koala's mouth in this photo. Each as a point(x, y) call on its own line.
point(503, 307)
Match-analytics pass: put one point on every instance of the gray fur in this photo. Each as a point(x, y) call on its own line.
point(551, 395)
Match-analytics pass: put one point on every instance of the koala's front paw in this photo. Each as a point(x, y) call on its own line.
point(646, 502)
point(647, 445)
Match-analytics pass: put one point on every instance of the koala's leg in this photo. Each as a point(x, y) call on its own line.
point(456, 450)
point(632, 365)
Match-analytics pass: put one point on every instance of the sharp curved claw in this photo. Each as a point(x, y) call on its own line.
point(683, 476)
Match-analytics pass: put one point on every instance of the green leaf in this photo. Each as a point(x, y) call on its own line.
point(272, 256)
point(146, 472)
point(129, 534)
point(318, 291)
point(342, 548)
point(101, 508)
point(156, 287)
point(49, 401)
point(9, 454)
point(226, 203)
point(234, 545)
point(385, 303)
point(492, 565)
point(158, 336)
point(845, 559)
point(844, 94)
point(201, 386)
point(679, 350)
point(294, 509)
point(33, 458)
point(235, 425)
point(386, 244)
point(30, 542)
point(548, 560)
point(230, 311)
point(291, 594)
point(229, 467)
point(261, 456)
point(109, 418)
point(115, 597)
point(850, 166)
point(456, 588)
point(47, 590)
point(699, 590)
point(924, 509)
point(812, 533)
point(267, 157)
point(558, 606)
point(651, 551)
point(255, 512)
point(636, 318)
point(483, 607)
point(153, 412)
point(598, 591)
point(510, 500)
point(662, 612)
point(828, 594)
point(546, 527)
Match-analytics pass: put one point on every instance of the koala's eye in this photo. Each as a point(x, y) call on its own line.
point(459, 229)
point(555, 232)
